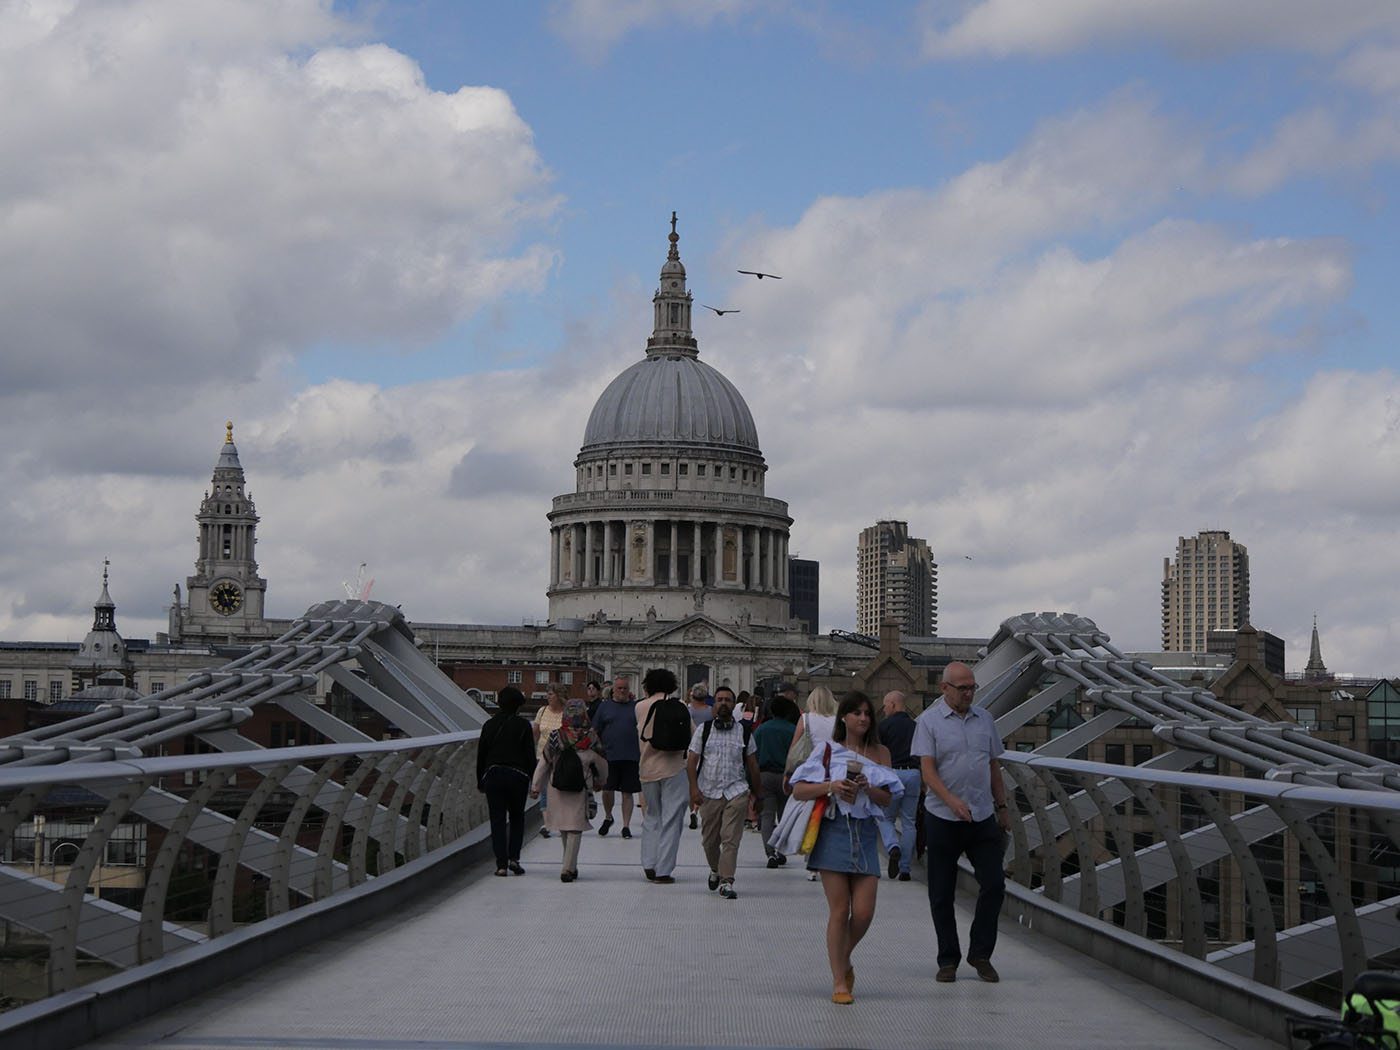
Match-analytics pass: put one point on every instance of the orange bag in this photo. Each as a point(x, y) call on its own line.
point(814, 822)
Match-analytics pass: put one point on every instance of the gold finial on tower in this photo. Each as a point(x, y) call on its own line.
point(228, 436)
point(673, 239)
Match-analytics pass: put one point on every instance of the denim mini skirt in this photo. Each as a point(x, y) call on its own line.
point(848, 844)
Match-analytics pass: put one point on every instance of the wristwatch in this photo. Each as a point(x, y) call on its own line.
point(830, 787)
point(1001, 805)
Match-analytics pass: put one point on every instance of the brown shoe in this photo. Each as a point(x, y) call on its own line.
point(985, 970)
point(946, 974)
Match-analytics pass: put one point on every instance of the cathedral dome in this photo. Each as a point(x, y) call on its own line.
point(671, 399)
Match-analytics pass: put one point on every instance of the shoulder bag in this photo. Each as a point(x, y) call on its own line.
point(800, 749)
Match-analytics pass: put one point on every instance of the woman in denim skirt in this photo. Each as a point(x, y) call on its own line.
point(858, 783)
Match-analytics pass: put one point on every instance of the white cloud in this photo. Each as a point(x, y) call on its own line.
point(1000, 28)
point(196, 185)
point(1316, 141)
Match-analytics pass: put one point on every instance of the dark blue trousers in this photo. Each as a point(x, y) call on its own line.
point(947, 840)
point(506, 790)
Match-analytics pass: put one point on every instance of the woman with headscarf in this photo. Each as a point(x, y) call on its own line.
point(571, 749)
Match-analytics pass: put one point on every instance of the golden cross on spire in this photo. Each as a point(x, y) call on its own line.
point(228, 436)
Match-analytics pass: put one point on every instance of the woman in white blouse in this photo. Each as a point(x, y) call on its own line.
point(855, 777)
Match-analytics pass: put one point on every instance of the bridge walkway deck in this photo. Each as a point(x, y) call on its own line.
point(529, 963)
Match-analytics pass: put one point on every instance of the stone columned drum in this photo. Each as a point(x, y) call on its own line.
point(668, 517)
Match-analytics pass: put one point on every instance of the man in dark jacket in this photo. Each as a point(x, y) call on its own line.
point(505, 758)
point(773, 738)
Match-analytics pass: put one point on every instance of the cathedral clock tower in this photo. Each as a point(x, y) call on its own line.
point(225, 593)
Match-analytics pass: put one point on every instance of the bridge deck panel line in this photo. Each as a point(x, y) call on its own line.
point(612, 961)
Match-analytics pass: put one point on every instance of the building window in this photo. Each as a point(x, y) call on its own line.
point(627, 469)
point(4, 688)
point(665, 468)
point(541, 677)
point(646, 468)
point(31, 689)
point(683, 470)
point(612, 470)
point(566, 678)
point(746, 474)
point(1113, 753)
point(699, 470)
point(1345, 723)
point(513, 677)
point(157, 687)
point(1304, 716)
point(55, 691)
point(1141, 753)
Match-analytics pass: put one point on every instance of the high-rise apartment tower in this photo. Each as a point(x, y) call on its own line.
point(1205, 589)
point(896, 579)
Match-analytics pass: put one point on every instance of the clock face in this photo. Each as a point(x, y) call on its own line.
point(226, 598)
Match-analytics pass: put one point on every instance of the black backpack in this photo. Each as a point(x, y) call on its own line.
point(568, 771)
point(669, 720)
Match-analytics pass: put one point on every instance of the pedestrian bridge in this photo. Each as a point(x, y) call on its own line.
point(332, 896)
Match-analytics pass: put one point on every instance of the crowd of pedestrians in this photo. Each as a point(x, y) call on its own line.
point(729, 761)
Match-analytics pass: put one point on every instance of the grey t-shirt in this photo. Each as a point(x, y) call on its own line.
point(962, 750)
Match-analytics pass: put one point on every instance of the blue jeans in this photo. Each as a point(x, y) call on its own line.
point(906, 808)
point(983, 842)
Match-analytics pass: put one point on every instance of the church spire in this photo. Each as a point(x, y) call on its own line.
point(1316, 668)
point(104, 610)
point(671, 335)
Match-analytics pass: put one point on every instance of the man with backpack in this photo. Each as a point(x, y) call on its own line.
point(722, 768)
point(663, 730)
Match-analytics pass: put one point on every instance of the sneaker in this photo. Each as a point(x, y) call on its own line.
point(714, 881)
point(773, 862)
point(650, 873)
point(544, 833)
point(894, 862)
point(664, 880)
point(606, 826)
point(904, 876)
point(694, 822)
point(728, 892)
point(782, 858)
point(812, 876)
point(626, 832)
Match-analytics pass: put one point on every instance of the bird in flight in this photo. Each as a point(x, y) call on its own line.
point(718, 311)
point(760, 275)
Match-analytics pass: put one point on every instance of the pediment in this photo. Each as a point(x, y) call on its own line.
point(698, 629)
point(1240, 673)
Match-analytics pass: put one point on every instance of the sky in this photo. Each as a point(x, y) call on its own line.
point(1061, 283)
